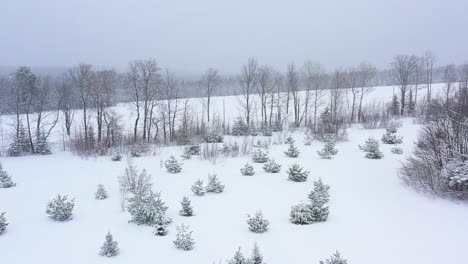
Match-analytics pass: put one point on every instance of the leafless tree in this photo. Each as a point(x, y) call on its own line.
point(67, 103)
point(352, 80)
point(318, 86)
point(336, 94)
point(265, 86)
point(102, 94)
point(366, 73)
point(292, 84)
point(248, 83)
point(403, 72)
point(429, 59)
point(449, 77)
point(171, 94)
point(209, 83)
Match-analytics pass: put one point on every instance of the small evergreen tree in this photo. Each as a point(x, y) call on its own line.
point(187, 209)
point(110, 248)
point(214, 184)
point(172, 165)
point(396, 150)
point(328, 150)
point(318, 198)
point(21, 144)
point(308, 138)
point(42, 147)
point(3, 222)
point(117, 157)
point(289, 140)
point(390, 137)
point(297, 173)
point(257, 223)
point(395, 106)
point(147, 208)
point(247, 170)
point(184, 238)
point(292, 151)
point(60, 208)
point(256, 257)
point(238, 258)
point(301, 214)
point(335, 259)
point(160, 230)
point(5, 179)
point(193, 150)
point(272, 167)
point(240, 128)
point(197, 188)
point(372, 148)
point(259, 156)
point(101, 193)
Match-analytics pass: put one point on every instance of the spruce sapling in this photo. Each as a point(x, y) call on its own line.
point(257, 223)
point(297, 173)
point(197, 188)
point(187, 209)
point(184, 238)
point(110, 248)
point(101, 193)
point(214, 184)
point(60, 208)
point(247, 170)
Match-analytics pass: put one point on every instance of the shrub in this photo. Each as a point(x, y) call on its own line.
point(110, 248)
point(390, 137)
point(101, 193)
point(214, 184)
point(257, 223)
point(292, 151)
point(197, 188)
point(328, 150)
point(335, 259)
point(5, 179)
point(172, 165)
point(148, 209)
point(60, 208)
point(372, 148)
point(193, 150)
point(3, 222)
point(318, 198)
point(117, 157)
point(301, 214)
point(396, 150)
point(238, 258)
point(297, 174)
point(259, 156)
point(247, 170)
point(214, 137)
point(184, 238)
point(272, 167)
point(138, 150)
point(187, 209)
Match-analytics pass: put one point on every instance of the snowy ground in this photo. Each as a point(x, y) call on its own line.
point(373, 219)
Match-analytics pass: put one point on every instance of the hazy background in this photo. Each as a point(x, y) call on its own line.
point(189, 36)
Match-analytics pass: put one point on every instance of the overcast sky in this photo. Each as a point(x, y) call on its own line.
point(189, 36)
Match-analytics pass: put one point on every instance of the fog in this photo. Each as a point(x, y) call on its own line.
point(189, 36)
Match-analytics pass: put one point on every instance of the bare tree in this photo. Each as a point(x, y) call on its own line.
point(209, 82)
point(366, 73)
point(171, 94)
point(133, 79)
point(248, 83)
point(429, 60)
point(265, 84)
point(336, 94)
point(353, 83)
point(449, 77)
point(292, 84)
point(67, 103)
point(102, 93)
point(403, 72)
point(319, 84)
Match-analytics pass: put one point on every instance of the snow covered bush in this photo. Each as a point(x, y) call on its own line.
point(214, 184)
point(138, 150)
point(257, 223)
point(328, 150)
point(239, 258)
point(456, 174)
point(259, 156)
point(160, 230)
point(297, 173)
point(390, 137)
point(292, 151)
point(101, 193)
point(396, 150)
point(256, 257)
point(335, 259)
point(272, 167)
point(192, 150)
point(117, 157)
point(197, 188)
point(3, 222)
point(5, 179)
point(214, 137)
point(301, 214)
point(60, 208)
point(372, 148)
point(184, 238)
point(21, 144)
point(247, 170)
point(318, 198)
point(42, 147)
point(187, 209)
point(148, 209)
point(308, 138)
point(240, 128)
point(110, 248)
point(172, 165)
point(135, 182)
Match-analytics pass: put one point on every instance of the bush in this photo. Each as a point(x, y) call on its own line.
point(396, 150)
point(292, 151)
point(328, 150)
point(184, 238)
point(193, 150)
point(214, 137)
point(257, 223)
point(5, 179)
point(214, 184)
point(138, 150)
point(297, 174)
point(101, 193)
point(318, 198)
point(247, 170)
point(335, 259)
point(308, 138)
point(456, 174)
point(238, 258)
point(272, 167)
point(172, 165)
point(134, 182)
point(148, 209)
point(390, 137)
point(372, 148)
point(60, 208)
point(42, 147)
point(197, 188)
point(110, 248)
point(256, 257)
point(301, 214)
point(259, 156)
point(240, 128)
point(187, 209)
point(3, 222)
point(117, 157)
point(289, 140)
point(160, 230)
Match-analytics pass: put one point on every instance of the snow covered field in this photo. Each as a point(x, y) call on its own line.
point(373, 218)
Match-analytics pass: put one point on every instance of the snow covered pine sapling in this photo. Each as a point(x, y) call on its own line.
point(335, 259)
point(184, 238)
point(301, 214)
point(110, 248)
point(272, 167)
point(390, 137)
point(101, 193)
point(256, 257)
point(328, 150)
point(3, 222)
point(197, 188)
point(238, 258)
point(60, 208)
point(214, 184)
point(148, 209)
point(297, 174)
point(187, 209)
point(372, 148)
point(247, 170)
point(172, 165)
point(259, 156)
point(292, 151)
point(5, 179)
point(257, 223)
point(318, 198)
